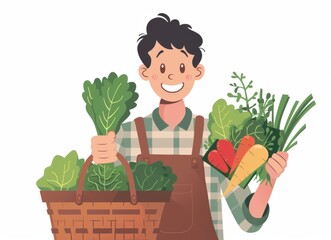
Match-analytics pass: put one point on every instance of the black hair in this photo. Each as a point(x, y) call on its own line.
point(167, 32)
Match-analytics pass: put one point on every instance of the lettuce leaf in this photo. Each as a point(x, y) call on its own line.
point(106, 177)
point(152, 177)
point(222, 117)
point(108, 102)
point(62, 174)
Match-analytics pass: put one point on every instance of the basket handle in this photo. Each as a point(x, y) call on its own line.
point(124, 162)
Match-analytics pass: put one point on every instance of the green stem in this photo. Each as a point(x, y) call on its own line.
point(289, 147)
point(295, 136)
point(302, 110)
point(260, 105)
point(281, 108)
point(273, 112)
point(246, 97)
point(290, 115)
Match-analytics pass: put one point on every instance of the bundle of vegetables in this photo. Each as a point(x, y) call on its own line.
point(108, 103)
point(241, 140)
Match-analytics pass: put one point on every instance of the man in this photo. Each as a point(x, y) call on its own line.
point(171, 56)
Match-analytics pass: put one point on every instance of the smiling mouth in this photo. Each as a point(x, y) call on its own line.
point(172, 88)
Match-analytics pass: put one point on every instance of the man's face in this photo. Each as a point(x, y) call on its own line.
point(171, 73)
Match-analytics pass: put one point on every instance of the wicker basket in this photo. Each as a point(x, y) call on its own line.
point(94, 215)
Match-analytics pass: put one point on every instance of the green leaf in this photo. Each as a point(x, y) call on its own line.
point(106, 177)
point(254, 111)
point(272, 140)
point(80, 163)
point(252, 127)
point(91, 91)
point(108, 102)
point(62, 174)
point(222, 117)
point(238, 97)
point(153, 177)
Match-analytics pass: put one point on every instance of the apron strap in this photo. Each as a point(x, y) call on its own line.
point(142, 137)
point(198, 133)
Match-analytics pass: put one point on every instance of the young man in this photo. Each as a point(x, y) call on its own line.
point(171, 56)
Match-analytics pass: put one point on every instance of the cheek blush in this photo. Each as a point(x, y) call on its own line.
point(154, 77)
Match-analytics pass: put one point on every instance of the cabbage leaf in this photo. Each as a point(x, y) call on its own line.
point(62, 174)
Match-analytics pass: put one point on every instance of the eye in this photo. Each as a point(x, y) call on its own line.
point(162, 68)
point(182, 68)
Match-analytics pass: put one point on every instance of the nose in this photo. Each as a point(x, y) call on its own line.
point(170, 76)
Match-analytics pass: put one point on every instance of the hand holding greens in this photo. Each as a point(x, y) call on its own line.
point(256, 117)
point(108, 103)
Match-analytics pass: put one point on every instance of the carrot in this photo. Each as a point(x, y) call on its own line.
point(226, 150)
point(252, 160)
point(217, 161)
point(245, 144)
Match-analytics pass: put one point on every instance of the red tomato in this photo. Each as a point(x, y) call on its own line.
point(226, 150)
point(217, 161)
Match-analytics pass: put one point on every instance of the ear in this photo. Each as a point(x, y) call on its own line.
point(143, 72)
point(200, 71)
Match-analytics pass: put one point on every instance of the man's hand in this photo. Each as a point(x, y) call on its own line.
point(275, 167)
point(104, 148)
point(277, 164)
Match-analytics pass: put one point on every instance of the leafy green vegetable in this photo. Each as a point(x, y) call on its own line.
point(265, 105)
point(62, 174)
point(106, 177)
point(244, 88)
point(276, 138)
point(152, 177)
point(293, 119)
point(147, 177)
point(222, 117)
point(252, 127)
point(108, 102)
point(273, 139)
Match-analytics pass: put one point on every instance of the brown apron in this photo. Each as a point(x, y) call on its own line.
point(187, 215)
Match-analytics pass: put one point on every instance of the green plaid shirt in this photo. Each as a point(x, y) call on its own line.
point(163, 140)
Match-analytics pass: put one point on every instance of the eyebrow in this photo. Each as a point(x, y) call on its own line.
point(184, 53)
point(159, 53)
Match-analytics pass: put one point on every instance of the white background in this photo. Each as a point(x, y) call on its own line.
point(48, 49)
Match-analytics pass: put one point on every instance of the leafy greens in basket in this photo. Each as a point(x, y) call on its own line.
point(152, 177)
point(108, 103)
point(62, 174)
point(147, 177)
point(106, 177)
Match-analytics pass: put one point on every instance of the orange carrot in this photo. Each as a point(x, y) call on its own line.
point(253, 159)
point(245, 144)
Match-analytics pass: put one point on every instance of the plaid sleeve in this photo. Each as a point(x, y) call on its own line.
point(119, 141)
point(238, 201)
point(122, 141)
